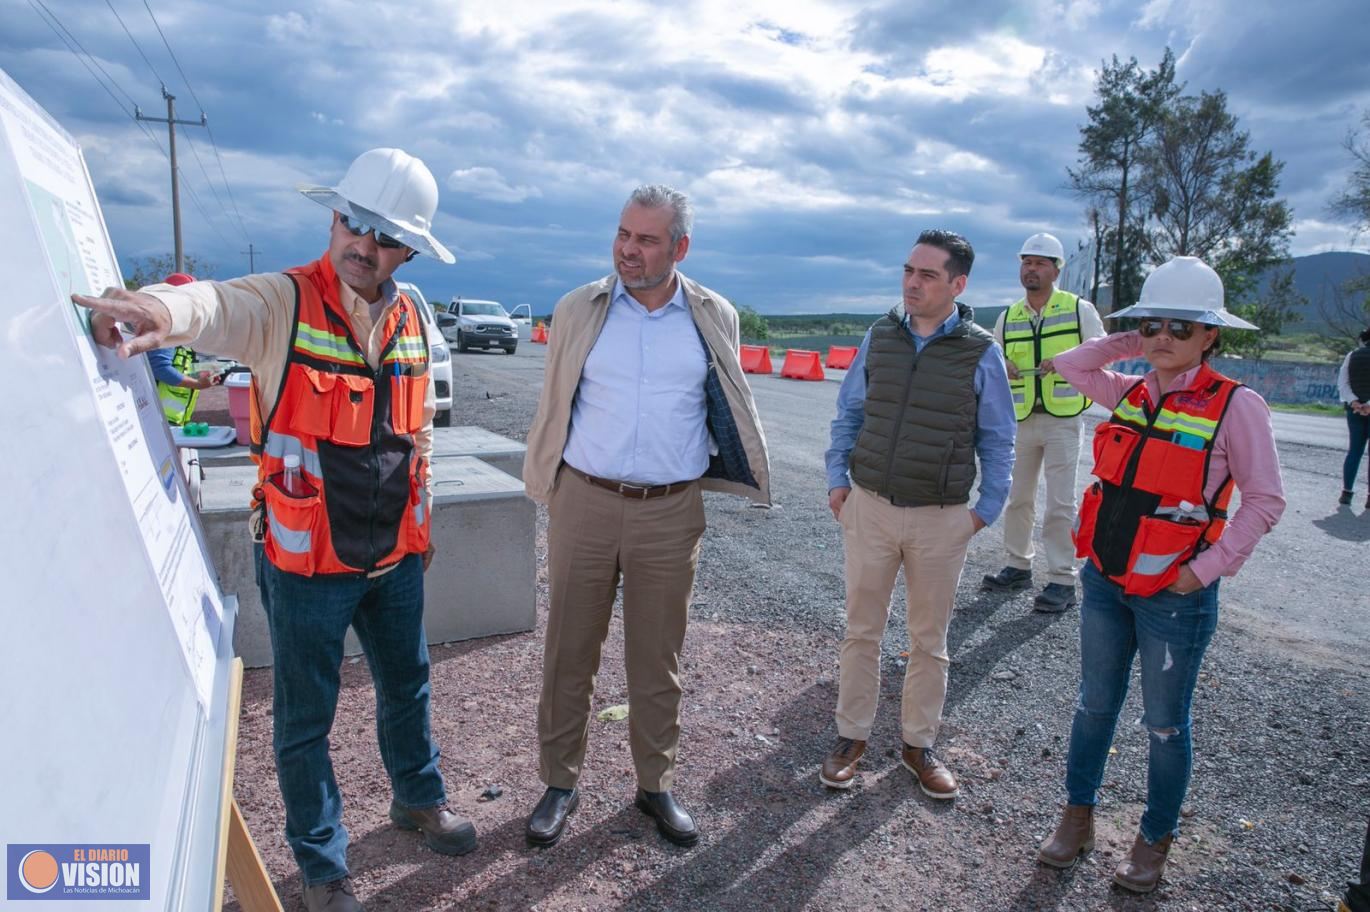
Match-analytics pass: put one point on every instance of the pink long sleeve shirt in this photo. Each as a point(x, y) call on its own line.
point(1244, 446)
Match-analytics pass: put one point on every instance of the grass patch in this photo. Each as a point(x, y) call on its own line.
point(1311, 408)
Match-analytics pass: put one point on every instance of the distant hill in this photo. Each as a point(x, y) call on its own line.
point(1317, 277)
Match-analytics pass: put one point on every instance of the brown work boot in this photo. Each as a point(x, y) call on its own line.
point(1141, 870)
point(934, 778)
point(1074, 837)
point(334, 896)
point(839, 768)
point(444, 832)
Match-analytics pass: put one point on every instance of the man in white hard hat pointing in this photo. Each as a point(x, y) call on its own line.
point(342, 423)
point(1042, 324)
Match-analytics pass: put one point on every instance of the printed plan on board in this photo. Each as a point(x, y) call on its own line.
point(60, 200)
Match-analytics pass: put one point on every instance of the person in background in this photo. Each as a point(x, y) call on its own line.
point(1033, 331)
point(1353, 384)
point(1155, 529)
point(178, 390)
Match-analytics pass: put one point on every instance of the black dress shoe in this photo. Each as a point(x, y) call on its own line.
point(672, 820)
point(548, 820)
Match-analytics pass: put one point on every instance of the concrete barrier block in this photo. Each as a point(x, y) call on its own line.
point(482, 581)
point(467, 440)
point(487, 446)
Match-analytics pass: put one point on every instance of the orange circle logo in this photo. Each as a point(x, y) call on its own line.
point(38, 871)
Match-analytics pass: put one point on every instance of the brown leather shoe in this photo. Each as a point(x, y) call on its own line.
point(334, 896)
point(1074, 837)
point(444, 832)
point(1141, 870)
point(839, 768)
point(934, 778)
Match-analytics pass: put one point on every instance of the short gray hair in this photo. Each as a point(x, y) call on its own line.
point(660, 196)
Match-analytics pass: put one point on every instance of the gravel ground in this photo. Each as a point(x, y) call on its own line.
point(1275, 817)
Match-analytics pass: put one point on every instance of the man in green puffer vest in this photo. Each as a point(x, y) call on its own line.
point(925, 395)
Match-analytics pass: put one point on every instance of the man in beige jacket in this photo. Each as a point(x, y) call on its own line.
point(643, 405)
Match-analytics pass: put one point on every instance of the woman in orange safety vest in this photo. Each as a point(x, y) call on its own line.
point(1155, 533)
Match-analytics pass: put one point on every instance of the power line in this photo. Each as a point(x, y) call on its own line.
point(76, 49)
point(57, 24)
point(138, 47)
point(213, 143)
point(173, 56)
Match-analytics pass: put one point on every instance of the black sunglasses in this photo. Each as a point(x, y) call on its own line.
point(1177, 329)
point(360, 229)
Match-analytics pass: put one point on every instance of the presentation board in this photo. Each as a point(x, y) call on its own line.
point(115, 660)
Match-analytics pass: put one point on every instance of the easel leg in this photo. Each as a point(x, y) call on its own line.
point(246, 872)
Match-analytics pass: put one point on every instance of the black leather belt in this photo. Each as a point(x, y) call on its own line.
point(629, 490)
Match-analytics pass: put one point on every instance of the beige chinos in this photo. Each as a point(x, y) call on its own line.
point(1047, 444)
point(930, 544)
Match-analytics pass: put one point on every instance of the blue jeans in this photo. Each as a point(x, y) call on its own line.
point(1358, 427)
point(308, 618)
point(1171, 632)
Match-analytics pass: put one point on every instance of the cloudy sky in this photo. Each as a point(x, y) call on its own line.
point(816, 138)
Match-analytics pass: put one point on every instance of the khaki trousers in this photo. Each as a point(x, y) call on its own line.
point(594, 536)
point(1047, 444)
point(930, 544)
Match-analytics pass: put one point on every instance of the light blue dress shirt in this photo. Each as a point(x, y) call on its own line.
point(639, 411)
point(996, 425)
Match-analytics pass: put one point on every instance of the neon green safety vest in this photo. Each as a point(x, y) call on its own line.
point(1027, 346)
point(178, 403)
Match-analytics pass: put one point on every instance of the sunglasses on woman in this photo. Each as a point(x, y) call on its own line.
point(361, 229)
point(1176, 329)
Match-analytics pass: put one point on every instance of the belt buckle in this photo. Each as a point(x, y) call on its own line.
point(632, 490)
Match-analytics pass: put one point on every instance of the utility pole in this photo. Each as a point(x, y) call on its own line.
point(171, 122)
point(251, 255)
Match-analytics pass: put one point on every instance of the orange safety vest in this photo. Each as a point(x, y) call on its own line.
point(1146, 515)
point(364, 503)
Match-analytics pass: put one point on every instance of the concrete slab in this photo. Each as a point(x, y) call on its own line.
point(487, 446)
point(466, 440)
point(481, 582)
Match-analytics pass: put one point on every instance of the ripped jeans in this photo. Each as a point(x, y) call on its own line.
point(1171, 633)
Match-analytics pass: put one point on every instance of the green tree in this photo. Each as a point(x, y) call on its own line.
point(751, 324)
point(1354, 201)
point(1131, 102)
point(1278, 307)
point(150, 270)
point(1210, 196)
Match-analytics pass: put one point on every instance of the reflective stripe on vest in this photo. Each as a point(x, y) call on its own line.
point(1027, 345)
point(1147, 514)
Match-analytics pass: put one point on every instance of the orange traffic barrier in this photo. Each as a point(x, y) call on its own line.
point(539, 334)
point(756, 359)
point(802, 365)
point(840, 356)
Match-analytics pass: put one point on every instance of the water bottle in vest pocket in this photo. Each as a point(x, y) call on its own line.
point(291, 524)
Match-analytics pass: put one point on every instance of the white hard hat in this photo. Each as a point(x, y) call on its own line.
point(1044, 245)
point(1186, 288)
point(392, 191)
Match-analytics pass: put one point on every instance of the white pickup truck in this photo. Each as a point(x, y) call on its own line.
point(479, 324)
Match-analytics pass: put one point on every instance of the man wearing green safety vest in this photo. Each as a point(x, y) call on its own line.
point(1037, 328)
point(177, 388)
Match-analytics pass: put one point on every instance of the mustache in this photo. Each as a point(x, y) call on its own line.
point(362, 260)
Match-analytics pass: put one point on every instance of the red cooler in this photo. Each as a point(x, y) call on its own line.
point(239, 387)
